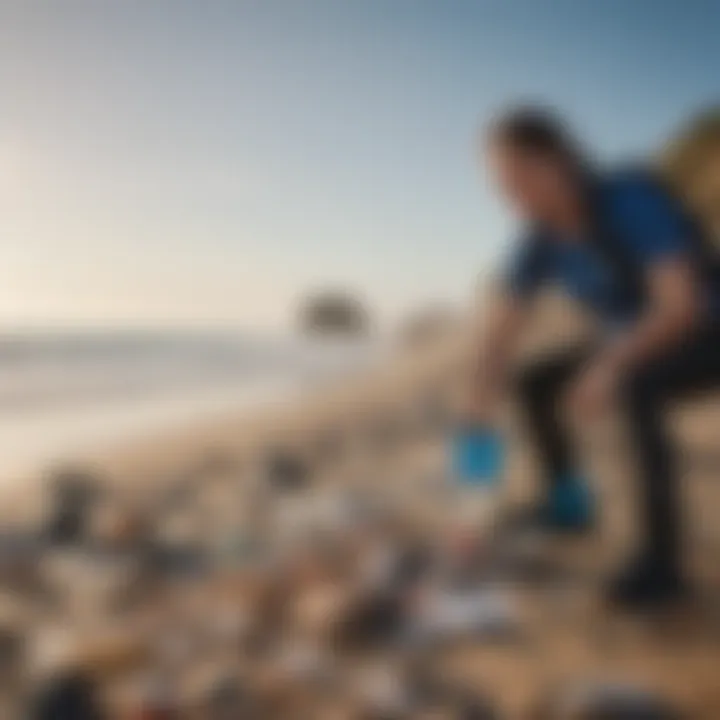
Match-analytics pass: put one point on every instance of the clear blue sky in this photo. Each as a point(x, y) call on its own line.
point(194, 161)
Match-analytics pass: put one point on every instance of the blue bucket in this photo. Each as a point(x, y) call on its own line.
point(478, 456)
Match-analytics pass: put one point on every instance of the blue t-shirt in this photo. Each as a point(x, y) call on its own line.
point(649, 223)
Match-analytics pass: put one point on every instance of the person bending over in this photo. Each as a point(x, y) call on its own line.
point(624, 248)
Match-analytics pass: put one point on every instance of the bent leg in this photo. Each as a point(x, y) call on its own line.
point(540, 386)
point(644, 397)
point(692, 368)
point(566, 503)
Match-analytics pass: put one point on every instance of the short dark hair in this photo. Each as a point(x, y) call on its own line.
point(538, 130)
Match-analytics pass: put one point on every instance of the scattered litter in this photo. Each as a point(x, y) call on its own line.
point(73, 494)
point(286, 471)
point(611, 701)
point(370, 619)
point(70, 696)
point(226, 699)
point(384, 694)
point(486, 613)
point(280, 595)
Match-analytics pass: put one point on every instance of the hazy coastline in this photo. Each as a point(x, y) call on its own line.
point(69, 395)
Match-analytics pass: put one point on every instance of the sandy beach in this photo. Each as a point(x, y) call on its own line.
point(571, 639)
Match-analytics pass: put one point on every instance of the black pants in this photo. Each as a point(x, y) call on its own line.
point(692, 367)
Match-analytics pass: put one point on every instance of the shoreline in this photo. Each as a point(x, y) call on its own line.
point(100, 427)
point(283, 416)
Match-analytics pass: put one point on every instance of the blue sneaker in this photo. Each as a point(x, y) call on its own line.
point(569, 506)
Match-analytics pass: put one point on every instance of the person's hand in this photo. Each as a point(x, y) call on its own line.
point(594, 389)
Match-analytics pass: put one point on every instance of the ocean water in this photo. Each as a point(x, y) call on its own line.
point(65, 393)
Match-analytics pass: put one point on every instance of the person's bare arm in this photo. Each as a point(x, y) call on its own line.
point(674, 308)
point(502, 323)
